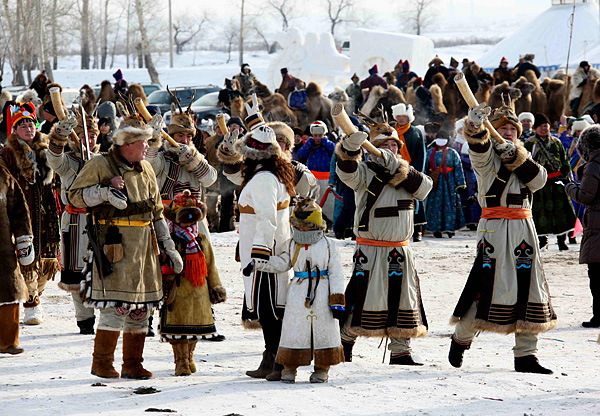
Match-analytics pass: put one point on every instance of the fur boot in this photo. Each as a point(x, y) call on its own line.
point(182, 358)
point(347, 351)
point(133, 349)
point(191, 348)
point(403, 359)
point(288, 375)
point(320, 375)
point(104, 352)
point(86, 327)
point(530, 364)
point(265, 368)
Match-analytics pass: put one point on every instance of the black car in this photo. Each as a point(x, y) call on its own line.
point(163, 100)
point(204, 108)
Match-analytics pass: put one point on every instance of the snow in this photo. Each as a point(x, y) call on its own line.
point(385, 49)
point(53, 376)
point(547, 36)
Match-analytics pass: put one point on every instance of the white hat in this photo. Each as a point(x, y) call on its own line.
point(588, 118)
point(460, 123)
point(403, 110)
point(526, 116)
point(318, 127)
point(206, 125)
point(580, 124)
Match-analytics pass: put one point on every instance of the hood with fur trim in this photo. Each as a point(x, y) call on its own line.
point(30, 170)
point(589, 141)
point(283, 133)
point(251, 148)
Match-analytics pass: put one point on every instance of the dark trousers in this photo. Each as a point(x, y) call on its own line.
point(227, 198)
point(270, 323)
point(594, 275)
point(345, 220)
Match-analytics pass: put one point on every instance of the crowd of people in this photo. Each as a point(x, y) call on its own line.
point(123, 208)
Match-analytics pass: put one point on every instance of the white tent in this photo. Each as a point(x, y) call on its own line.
point(547, 36)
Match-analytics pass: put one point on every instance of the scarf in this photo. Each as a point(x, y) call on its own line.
point(306, 237)
point(195, 263)
point(403, 151)
point(432, 166)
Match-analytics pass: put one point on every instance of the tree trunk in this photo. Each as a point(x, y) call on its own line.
point(104, 36)
point(85, 36)
point(53, 34)
point(242, 34)
point(14, 56)
point(145, 49)
point(127, 30)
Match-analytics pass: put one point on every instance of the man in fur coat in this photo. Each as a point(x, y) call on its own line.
point(127, 235)
point(506, 291)
point(383, 293)
point(73, 222)
point(25, 158)
point(16, 242)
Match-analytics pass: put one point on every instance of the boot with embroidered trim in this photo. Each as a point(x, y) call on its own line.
point(105, 343)
point(530, 364)
point(265, 368)
point(182, 358)
point(403, 359)
point(191, 348)
point(457, 351)
point(133, 350)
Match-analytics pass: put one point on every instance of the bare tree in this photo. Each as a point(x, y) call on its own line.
point(231, 32)
point(285, 9)
point(15, 56)
point(185, 32)
point(336, 11)
point(85, 34)
point(104, 42)
point(421, 15)
point(144, 46)
point(257, 28)
point(241, 35)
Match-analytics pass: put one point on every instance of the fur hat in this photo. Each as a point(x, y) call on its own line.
point(526, 116)
point(318, 127)
point(260, 142)
point(405, 66)
point(432, 127)
point(580, 124)
point(236, 120)
point(186, 208)
point(540, 119)
point(18, 111)
point(207, 126)
point(118, 75)
point(283, 133)
point(503, 60)
point(529, 57)
point(589, 140)
point(505, 114)
point(403, 110)
point(436, 60)
point(308, 214)
point(181, 121)
point(90, 123)
point(244, 66)
point(132, 129)
point(354, 76)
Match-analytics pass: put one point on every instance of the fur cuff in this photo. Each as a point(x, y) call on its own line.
point(155, 143)
point(337, 299)
point(345, 154)
point(476, 137)
point(56, 139)
point(217, 294)
point(229, 158)
point(521, 155)
point(401, 174)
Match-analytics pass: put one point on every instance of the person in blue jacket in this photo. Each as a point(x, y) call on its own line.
point(317, 150)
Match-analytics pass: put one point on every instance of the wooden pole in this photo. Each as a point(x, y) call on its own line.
point(57, 103)
point(139, 104)
point(222, 123)
point(341, 119)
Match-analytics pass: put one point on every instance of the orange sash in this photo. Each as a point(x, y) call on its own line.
point(505, 213)
point(320, 176)
point(72, 210)
point(404, 151)
point(377, 243)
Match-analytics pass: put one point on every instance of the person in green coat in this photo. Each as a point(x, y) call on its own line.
point(553, 212)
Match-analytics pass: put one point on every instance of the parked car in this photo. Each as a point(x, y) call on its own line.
point(163, 100)
point(148, 88)
point(204, 108)
point(70, 96)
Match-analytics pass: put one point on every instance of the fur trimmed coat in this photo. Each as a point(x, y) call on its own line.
point(384, 291)
point(309, 330)
point(507, 279)
point(28, 164)
point(14, 221)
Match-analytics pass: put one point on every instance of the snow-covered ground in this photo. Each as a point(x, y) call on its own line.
point(53, 376)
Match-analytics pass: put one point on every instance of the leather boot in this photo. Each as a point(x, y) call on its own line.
point(288, 375)
point(347, 351)
point(9, 329)
point(86, 327)
point(457, 350)
point(105, 343)
point(133, 349)
point(191, 348)
point(182, 358)
point(562, 245)
point(530, 364)
point(150, 332)
point(403, 359)
point(275, 375)
point(265, 368)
